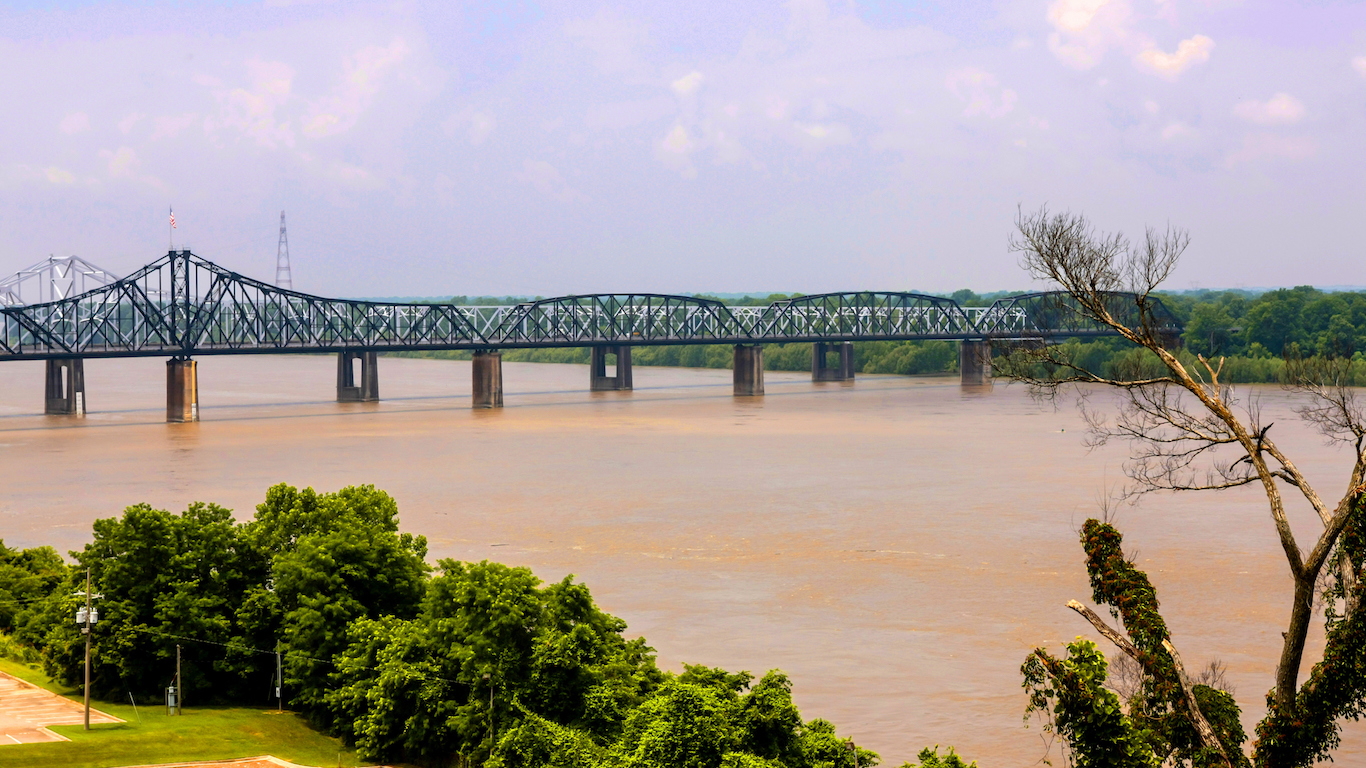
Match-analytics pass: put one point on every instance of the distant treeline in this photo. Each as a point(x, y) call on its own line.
point(1252, 331)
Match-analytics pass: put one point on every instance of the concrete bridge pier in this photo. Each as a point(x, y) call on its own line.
point(974, 362)
point(65, 390)
point(821, 369)
point(749, 370)
point(182, 391)
point(488, 379)
point(598, 380)
point(353, 390)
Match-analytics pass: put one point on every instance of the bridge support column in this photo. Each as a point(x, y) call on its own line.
point(65, 390)
point(749, 370)
point(351, 390)
point(974, 362)
point(488, 379)
point(820, 367)
point(182, 391)
point(598, 380)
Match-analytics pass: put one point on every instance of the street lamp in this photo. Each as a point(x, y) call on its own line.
point(853, 751)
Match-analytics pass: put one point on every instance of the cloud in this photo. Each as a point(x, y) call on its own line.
point(124, 162)
point(1176, 130)
point(252, 109)
point(980, 91)
point(822, 135)
point(1085, 29)
point(1193, 50)
point(1359, 64)
point(1266, 146)
point(1281, 109)
point(678, 141)
point(59, 176)
point(74, 123)
point(365, 71)
point(687, 84)
point(544, 177)
point(477, 124)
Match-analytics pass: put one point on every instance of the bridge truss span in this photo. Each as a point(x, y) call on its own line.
point(1057, 314)
point(638, 318)
point(863, 315)
point(182, 305)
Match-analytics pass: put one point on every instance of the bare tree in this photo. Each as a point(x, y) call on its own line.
point(1185, 428)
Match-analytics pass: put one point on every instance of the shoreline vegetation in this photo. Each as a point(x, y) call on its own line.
point(477, 665)
point(1254, 333)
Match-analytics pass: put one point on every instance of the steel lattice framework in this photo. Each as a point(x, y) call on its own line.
point(183, 305)
point(52, 279)
point(1056, 314)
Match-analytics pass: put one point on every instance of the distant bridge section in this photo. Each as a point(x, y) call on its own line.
point(52, 279)
point(181, 306)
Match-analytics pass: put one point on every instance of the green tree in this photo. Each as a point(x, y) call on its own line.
point(490, 648)
point(28, 579)
point(352, 564)
point(684, 725)
point(823, 748)
point(162, 576)
point(1188, 432)
point(770, 724)
point(929, 758)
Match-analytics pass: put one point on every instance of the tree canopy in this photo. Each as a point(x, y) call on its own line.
point(478, 663)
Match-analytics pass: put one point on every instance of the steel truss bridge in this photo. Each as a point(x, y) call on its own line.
point(182, 305)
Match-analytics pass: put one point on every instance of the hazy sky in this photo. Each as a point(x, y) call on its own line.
point(547, 148)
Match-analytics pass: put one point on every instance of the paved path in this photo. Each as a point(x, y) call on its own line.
point(26, 710)
point(264, 761)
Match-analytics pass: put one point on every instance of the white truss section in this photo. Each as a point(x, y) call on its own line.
point(52, 279)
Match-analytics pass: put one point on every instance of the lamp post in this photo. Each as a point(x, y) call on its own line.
point(853, 751)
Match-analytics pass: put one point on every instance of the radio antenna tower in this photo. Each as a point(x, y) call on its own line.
point(283, 278)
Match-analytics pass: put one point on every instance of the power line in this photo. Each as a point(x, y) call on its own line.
point(292, 654)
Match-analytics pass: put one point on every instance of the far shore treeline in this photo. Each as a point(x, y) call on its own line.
point(1253, 332)
point(469, 664)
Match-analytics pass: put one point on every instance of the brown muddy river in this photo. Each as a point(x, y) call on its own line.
point(896, 545)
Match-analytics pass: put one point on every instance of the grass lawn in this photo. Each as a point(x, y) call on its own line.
point(151, 736)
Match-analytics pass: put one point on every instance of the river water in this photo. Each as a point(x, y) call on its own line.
point(896, 545)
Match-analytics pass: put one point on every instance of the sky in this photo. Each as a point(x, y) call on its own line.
point(524, 148)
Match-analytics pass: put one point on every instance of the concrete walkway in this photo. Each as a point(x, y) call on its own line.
point(264, 761)
point(26, 710)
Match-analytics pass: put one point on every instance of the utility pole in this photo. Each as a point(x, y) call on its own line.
point(179, 686)
point(86, 629)
point(283, 277)
point(279, 682)
point(86, 616)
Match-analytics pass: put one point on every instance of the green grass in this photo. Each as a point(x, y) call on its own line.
point(152, 736)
